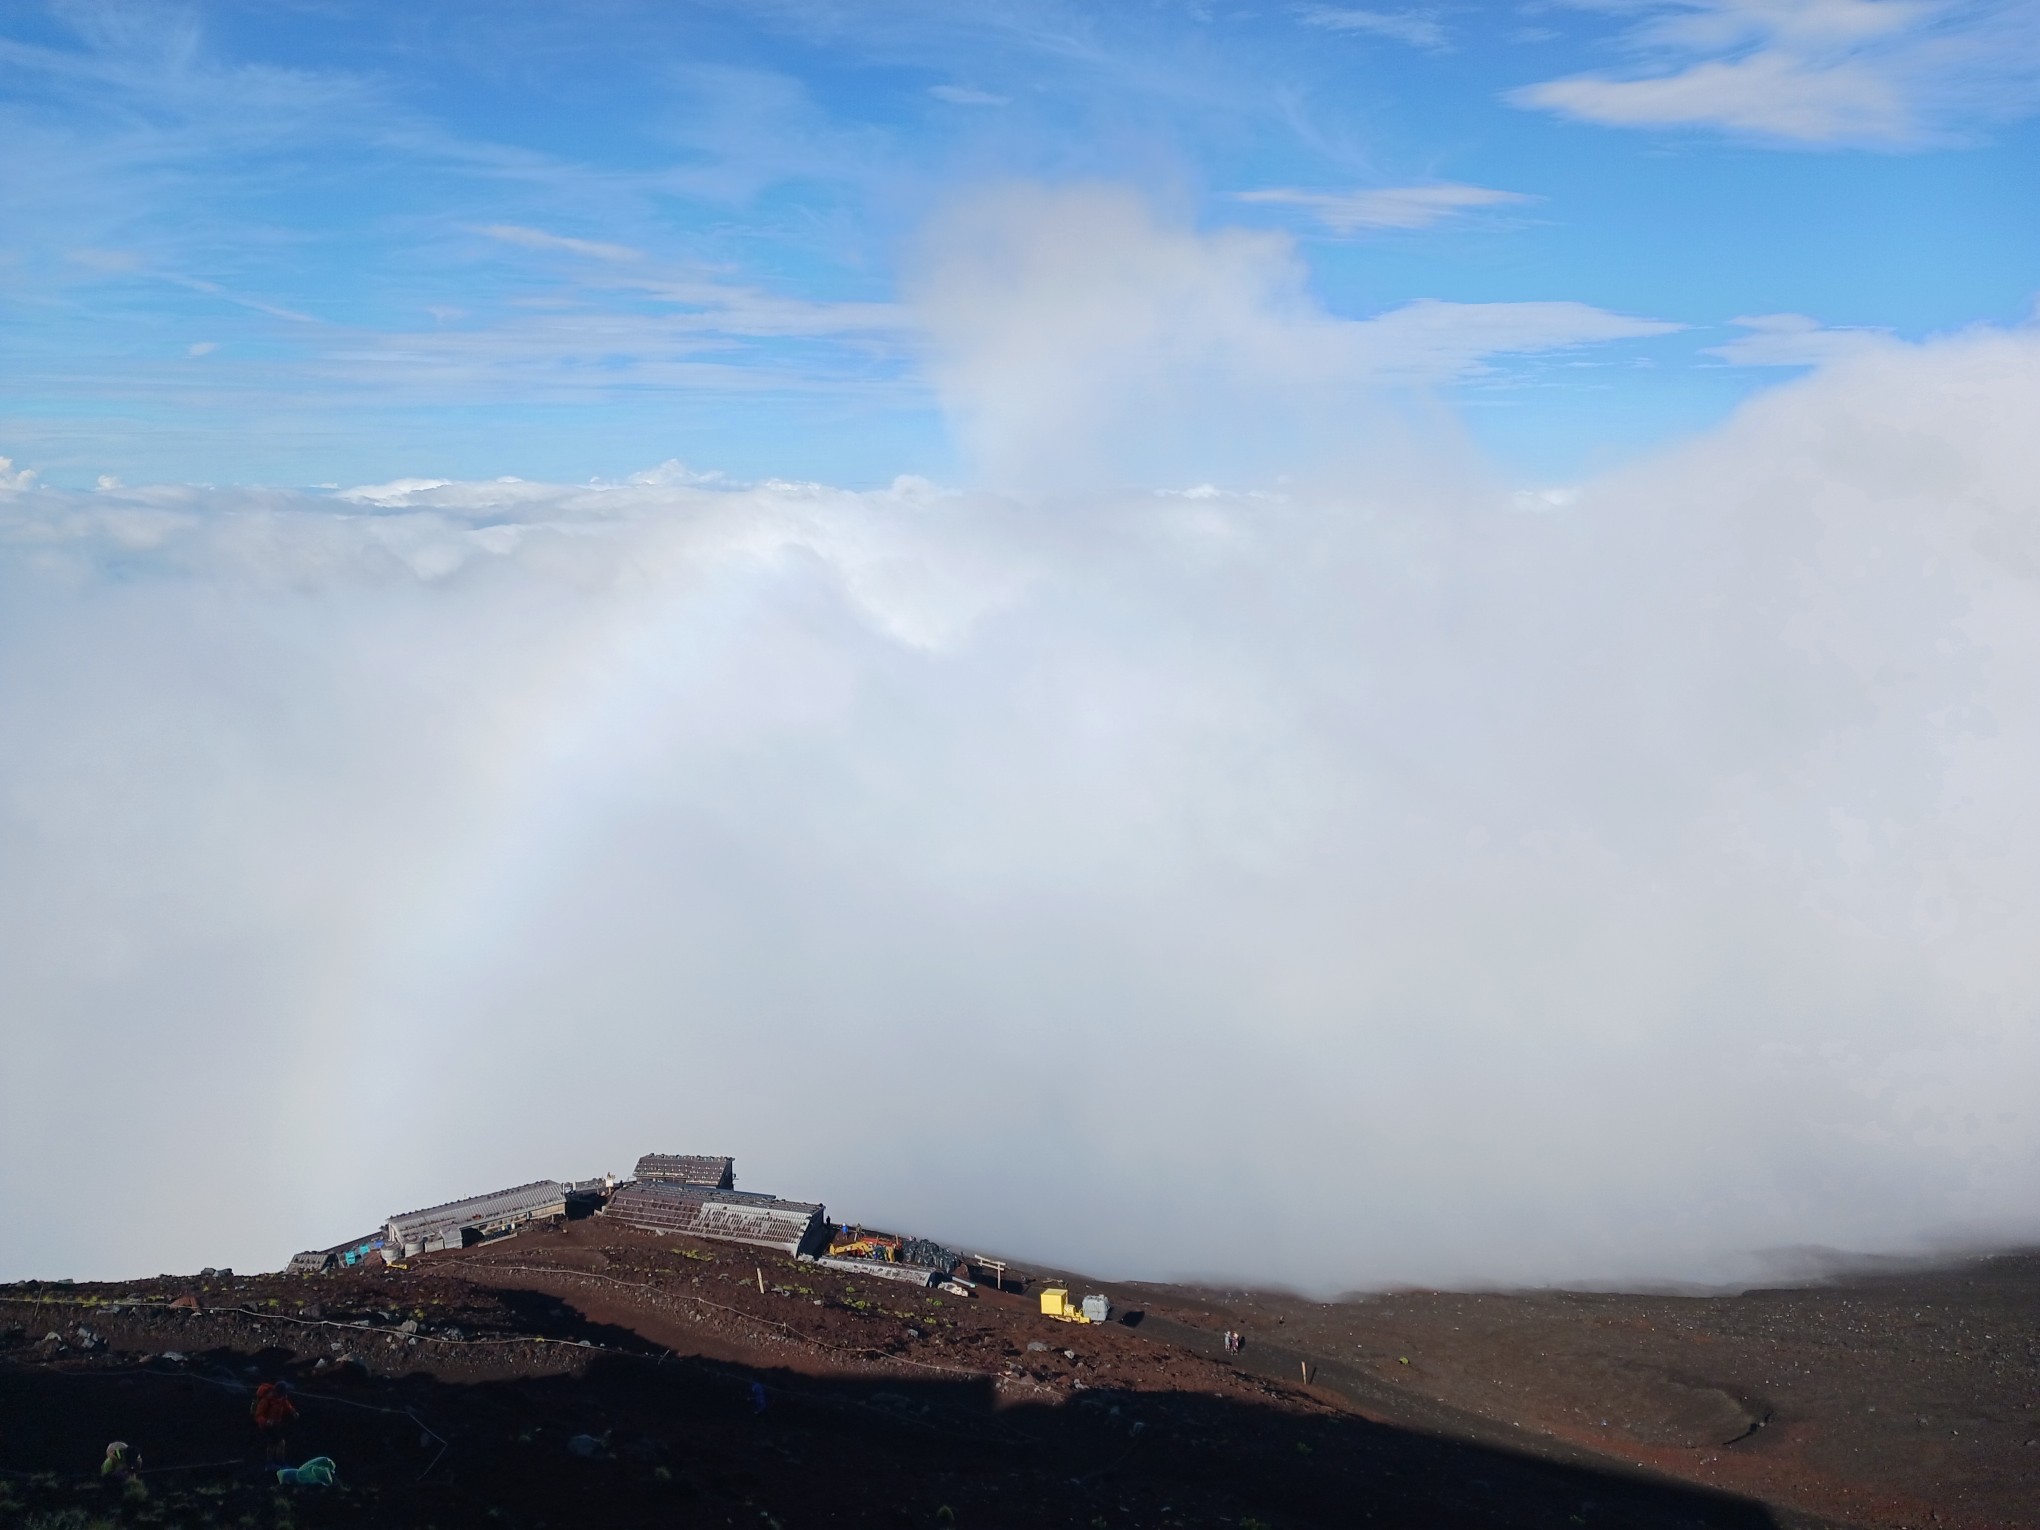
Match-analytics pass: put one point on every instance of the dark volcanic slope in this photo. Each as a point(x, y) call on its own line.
point(890, 1406)
point(1902, 1399)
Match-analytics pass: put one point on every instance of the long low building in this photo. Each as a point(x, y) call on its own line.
point(479, 1217)
point(877, 1269)
point(341, 1256)
point(889, 1256)
point(736, 1216)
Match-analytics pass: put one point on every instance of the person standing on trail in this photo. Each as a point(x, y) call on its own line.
point(273, 1412)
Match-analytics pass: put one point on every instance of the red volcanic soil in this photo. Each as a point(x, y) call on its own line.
point(597, 1376)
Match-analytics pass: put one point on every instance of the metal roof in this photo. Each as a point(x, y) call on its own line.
point(742, 1197)
point(688, 1169)
point(741, 1216)
point(653, 1191)
point(535, 1196)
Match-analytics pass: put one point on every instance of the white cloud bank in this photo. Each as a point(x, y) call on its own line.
point(1888, 73)
point(1417, 887)
point(1076, 335)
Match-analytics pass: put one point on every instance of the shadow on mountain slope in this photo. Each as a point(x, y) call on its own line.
point(630, 1442)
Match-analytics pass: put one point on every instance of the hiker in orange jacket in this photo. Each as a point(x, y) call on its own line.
point(273, 1412)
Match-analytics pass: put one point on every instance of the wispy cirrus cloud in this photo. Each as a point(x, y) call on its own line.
point(1387, 207)
point(1420, 29)
point(254, 305)
point(1885, 73)
point(710, 304)
point(1793, 340)
point(132, 265)
point(1433, 338)
point(539, 239)
point(964, 95)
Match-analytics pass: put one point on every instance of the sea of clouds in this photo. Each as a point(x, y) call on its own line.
point(1325, 864)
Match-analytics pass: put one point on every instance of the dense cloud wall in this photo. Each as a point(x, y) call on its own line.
point(1347, 880)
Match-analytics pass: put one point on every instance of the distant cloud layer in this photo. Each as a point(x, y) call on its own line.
point(1815, 72)
point(1417, 881)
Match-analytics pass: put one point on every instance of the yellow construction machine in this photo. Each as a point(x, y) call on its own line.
point(862, 1245)
point(1056, 1303)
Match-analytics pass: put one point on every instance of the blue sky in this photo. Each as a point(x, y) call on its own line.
point(320, 242)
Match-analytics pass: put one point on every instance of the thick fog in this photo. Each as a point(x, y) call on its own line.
point(1243, 837)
